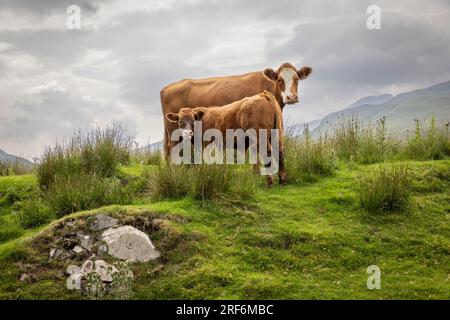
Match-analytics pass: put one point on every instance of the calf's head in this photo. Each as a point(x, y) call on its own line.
point(185, 119)
point(287, 79)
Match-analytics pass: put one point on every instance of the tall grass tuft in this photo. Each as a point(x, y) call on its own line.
point(8, 168)
point(99, 152)
point(387, 188)
point(364, 143)
point(148, 157)
point(430, 143)
point(308, 158)
point(80, 174)
point(84, 192)
point(33, 213)
point(203, 182)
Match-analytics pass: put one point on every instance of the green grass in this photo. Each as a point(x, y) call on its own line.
point(386, 189)
point(13, 190)
point(302, 241)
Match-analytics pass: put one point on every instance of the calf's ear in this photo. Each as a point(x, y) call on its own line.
point(304, 72)
point(271, 74)
point(172, 117)
point(199, 115)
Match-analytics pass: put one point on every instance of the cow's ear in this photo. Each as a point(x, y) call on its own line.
point(172, 117)
point(199, 115)
point(271, 74)
point(304, 72)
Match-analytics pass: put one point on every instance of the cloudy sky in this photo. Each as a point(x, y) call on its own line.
point(54, 80)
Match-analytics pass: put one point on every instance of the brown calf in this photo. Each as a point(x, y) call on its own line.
point(261, 111)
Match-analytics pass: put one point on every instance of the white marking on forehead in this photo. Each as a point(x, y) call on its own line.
point(287, 73)
point(288, 76)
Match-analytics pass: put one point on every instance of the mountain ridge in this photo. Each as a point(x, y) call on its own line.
point(400, 110)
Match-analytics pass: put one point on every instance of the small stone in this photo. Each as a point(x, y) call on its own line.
point(157, 224)
point(87, 267)
point(105, 270)
point(78, 249)
point(72, 269)
point(129, 243)
point(24, 277)
point(56, 253)
point(102, 249)
point(70, 223)
point(101, 222)
point(85, 241)
point(74, 281)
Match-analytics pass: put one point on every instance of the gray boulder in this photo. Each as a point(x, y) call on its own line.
point(101, 222)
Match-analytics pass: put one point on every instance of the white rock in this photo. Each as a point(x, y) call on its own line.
point(74, 281)
point(70, 223)
point(72, 269)
point(78, 249)
point(55, 253)
point(87, 267)
point(102, 249)
point(129, 243)
point(24, 277)
point(105, 270)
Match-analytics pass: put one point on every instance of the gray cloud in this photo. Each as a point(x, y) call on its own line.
point(54, 81)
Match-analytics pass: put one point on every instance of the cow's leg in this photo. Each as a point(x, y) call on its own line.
point(281, 169)
point(269, 164)
point(168, 143)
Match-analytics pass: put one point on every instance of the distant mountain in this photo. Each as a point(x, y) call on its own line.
point(6, 157)
point(400, 111)
point(372, 100)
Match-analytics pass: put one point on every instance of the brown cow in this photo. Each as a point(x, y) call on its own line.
point(282, 83)
point(258, 112)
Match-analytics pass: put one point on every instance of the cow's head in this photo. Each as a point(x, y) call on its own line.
point(185, 119)
point(287, 78)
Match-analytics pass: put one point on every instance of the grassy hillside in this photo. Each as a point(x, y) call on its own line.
point(302, 241)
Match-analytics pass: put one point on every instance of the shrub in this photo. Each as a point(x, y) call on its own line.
point(345, 137)
point(148, 157)
point(33, 213)
point(363, 142)
point(202, 182)
point(8, 168)
point(387, 188)
point(99, 152)
point(432, 143)
point(307, 158)
point(104, 149)
point(85, 192)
